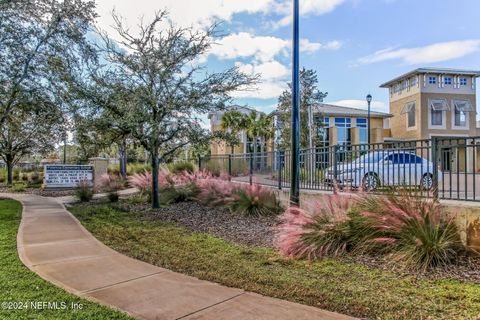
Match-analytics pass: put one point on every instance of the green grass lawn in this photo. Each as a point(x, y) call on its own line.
point(19, 287)
point(337, 286)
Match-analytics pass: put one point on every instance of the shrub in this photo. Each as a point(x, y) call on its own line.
point(34, 177)
point(178, 194)
point(135, 168)
point(16, 174)
point(254, 200)
point(18, 187)
point(113, 169)
point(322, 229)
point(418, 231)
point(113, 196)
point(183, 166)
point(84, 191)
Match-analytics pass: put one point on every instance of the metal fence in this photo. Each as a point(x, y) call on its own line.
point(447, 168)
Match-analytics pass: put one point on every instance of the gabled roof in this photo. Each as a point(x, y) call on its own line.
point(339, 111)
point(473, 73)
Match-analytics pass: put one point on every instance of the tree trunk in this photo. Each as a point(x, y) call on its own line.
point(155, 170)
point(9, 163)
point(232, 149)
point(123, 159)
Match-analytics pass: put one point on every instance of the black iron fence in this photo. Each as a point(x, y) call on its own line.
point(447, 168)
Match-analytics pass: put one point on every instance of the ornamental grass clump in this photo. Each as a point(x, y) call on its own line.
point(111, 184)
point(319, 230)
point(253, 200)
point(214, 191)
point(419, 232)
point(84, 191)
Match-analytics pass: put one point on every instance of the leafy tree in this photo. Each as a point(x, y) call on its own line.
point(39, 41)
point(36, 38)
point(30, 128)
point(167, 89)
point(310, 96)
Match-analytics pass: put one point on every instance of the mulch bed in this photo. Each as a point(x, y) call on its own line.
point(256, 231)
point(259, 231)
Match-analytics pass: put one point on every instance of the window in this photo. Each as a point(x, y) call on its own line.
point(343, 126)
point(463, 81)
point(448, 81)
point(409, 110)
point(460, 118)
point(363, 130)
point(437, 108)
point(397, 158)
point(432, 80)
point(460, 112)
point(413, 82)
point(322, 129)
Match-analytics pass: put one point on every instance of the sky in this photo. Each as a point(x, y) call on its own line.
point(353, 45)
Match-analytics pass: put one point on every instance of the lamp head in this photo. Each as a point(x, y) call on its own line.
point(369, 98)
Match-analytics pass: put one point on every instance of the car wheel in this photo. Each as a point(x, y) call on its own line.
point(427, 181)
point(370, 182)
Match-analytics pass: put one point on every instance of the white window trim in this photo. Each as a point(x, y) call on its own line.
point(444, 115)
point(467, 119)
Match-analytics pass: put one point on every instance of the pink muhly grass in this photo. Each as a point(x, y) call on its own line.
point(109, 182)
point(419, 231)
point(253, 200)
point(290, 230)
point(141, 181)
point(214, 191)
point(316, 231)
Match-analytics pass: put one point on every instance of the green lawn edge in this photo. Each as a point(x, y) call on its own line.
point(333, 285)
point(22, 292)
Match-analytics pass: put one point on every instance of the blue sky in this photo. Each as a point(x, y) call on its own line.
point(354, 45)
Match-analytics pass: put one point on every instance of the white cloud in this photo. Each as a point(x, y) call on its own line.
point(263, 48)
point(184, 12)
point(264, 90)
point(268, 71)
point(244, 44)
point(361, 104)
point(436, 52)
point(307, 7)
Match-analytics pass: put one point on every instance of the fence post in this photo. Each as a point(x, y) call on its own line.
point(335, 169)
point(229, 167)
point(251, 168)
point(279, 169)
point(199, 163)
point(435, 167)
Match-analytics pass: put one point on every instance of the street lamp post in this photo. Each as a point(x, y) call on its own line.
point(295, 152)
point(369, 100)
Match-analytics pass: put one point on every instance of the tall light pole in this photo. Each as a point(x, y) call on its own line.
point(295, 152)
point(369, 101)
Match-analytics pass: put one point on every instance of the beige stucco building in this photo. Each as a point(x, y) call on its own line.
point(431, 102)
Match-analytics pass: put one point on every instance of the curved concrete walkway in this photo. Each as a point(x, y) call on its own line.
point(53, 244)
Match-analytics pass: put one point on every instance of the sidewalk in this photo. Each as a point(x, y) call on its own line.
point(52, 243)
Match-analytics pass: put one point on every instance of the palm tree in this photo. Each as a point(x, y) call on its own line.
point(258, 127)
point(232, 121)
